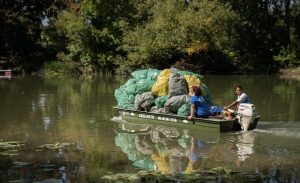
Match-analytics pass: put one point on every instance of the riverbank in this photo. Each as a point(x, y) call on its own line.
point(290, 73)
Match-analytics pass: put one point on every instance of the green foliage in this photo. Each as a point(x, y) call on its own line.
point(88, 46)
point(176, 31)
point(56, 68)
point(20, 23)
point(265, 27)
point(212, 36)
point(94, 34)
point(287, 57)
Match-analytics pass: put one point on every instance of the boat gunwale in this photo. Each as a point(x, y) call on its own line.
point(210, 120)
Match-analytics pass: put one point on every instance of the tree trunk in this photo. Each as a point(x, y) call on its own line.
point(287, 21)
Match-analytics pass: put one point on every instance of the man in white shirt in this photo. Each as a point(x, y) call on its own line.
point(242, 98)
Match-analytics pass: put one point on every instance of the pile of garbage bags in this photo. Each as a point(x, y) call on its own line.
point(165, 91)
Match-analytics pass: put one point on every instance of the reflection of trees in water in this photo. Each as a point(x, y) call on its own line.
point(56, 162)
point(59, 162)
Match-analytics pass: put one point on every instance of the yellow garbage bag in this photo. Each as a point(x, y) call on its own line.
point(192, 81)
point(195, 81)
point(161, 86)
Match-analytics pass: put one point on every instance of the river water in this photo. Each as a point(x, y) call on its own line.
point(65, 130)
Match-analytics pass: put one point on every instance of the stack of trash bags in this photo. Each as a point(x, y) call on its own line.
point(165, 91)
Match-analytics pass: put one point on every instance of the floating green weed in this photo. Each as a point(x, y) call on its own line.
point(54, 146)
point(10, 148)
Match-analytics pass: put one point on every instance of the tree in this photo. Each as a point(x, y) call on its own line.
point(176, 31)
point(266, 28)
point(94, 33)
point(20, 23)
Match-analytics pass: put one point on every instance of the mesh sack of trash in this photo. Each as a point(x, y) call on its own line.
point(163, 110)
point(177, 85)
point(144, 101)
point(175, 102)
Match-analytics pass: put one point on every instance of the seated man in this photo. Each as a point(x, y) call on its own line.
point(241, 98)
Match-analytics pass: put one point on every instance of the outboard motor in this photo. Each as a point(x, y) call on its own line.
point(246, 114)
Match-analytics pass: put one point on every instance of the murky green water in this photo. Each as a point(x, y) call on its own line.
point(65, 129)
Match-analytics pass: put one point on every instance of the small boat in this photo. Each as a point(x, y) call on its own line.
point(211, 123)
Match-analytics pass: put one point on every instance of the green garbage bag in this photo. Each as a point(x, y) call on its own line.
point(134, 86)
point(152, 74)
point(145, 74)
point(143, 85)
point(184, 110)
point(160, 101)
point(140, 74)
point(124, 99)
point(130, 87)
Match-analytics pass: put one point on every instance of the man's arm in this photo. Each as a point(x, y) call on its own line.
point(230, 105)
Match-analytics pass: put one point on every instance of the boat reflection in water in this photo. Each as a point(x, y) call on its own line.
point(162, 148)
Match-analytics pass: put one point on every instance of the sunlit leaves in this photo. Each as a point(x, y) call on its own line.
point(177, 29)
